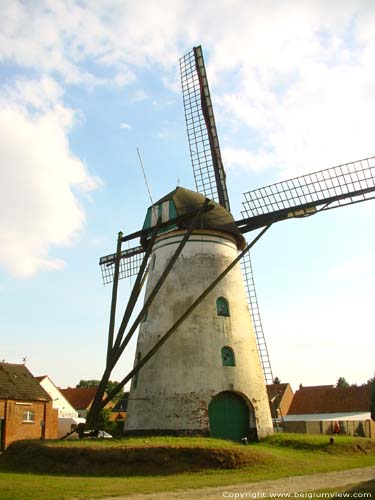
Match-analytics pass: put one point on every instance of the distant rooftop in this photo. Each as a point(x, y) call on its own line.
point(330, 399)
point(16, 382)
point(79, 397)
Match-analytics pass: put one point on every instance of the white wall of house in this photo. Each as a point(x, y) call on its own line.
point(65, 409)
point(67, 424)
point(360, 416)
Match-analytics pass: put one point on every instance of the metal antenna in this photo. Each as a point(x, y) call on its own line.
point(145, 178)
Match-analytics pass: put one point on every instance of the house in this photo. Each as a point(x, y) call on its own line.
point(81, 398)
point(68, 418)
point(118, 412)
point(26, 410)
point(325, 409)
point(59, 401)
point(280, 397)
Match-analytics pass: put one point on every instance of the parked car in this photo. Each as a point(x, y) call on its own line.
point(97, 434)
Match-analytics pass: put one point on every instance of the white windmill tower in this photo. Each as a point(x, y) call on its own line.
point(200, 354)
point(207, 379)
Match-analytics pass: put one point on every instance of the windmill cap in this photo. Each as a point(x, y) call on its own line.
point(182, 201)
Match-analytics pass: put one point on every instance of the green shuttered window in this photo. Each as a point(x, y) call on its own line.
point(222, 306)
point(227, 356)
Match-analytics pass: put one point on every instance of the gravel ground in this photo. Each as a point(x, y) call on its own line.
point(289, 485)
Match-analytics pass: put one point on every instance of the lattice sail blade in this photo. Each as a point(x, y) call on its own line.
point(130, 263)
point(248, 277)
point(209, 173)
point(305, 195)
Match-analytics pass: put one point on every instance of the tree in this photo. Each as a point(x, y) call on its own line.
point(342, 382)
point(88, 383)
point(276, 380)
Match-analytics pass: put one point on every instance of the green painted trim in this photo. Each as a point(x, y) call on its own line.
point(147, 222)
point(172, 210)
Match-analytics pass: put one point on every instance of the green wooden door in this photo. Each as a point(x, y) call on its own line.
point(229, 416)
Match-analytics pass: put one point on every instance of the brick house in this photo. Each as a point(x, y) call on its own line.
point(26, 410)
point(280, 397)
point(325, 409)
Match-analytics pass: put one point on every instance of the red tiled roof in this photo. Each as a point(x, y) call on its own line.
point(79, 397)
point(329, 399)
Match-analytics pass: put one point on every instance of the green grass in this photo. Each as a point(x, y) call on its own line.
point(148, 441)
point(287, 455)
point(342, 444)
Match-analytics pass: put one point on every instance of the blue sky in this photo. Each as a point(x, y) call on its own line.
point(83, 84)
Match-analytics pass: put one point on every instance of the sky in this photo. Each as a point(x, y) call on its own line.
point(84, 84)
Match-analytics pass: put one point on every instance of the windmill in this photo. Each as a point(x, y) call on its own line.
point(201, 361)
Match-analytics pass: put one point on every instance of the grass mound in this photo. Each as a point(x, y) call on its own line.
point(121, 458)
point(342, 444)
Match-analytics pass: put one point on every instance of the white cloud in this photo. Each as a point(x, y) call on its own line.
point(125, 126)
point(295, 77)
point(38, 94)
point(305, 94)
point(248, 160)
point(40, 178)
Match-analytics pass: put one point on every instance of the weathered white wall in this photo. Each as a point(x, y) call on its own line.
point(176, 386)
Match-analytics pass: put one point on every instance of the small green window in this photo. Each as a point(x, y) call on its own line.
point(135, 378)
point(227, 356)
point(222, 306)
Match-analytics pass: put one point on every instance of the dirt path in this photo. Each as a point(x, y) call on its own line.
point(262, 489)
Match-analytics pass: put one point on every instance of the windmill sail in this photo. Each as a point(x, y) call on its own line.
point(130, 263)
point(208, 169)
point(308, 194)
point(209, 173)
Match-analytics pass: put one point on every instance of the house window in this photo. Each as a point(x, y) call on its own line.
point(135, 378)
point(222, 306)
point(28, 416)
point(227, 356)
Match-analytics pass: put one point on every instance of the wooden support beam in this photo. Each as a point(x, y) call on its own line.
point(119, 348)
point(114, 297)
